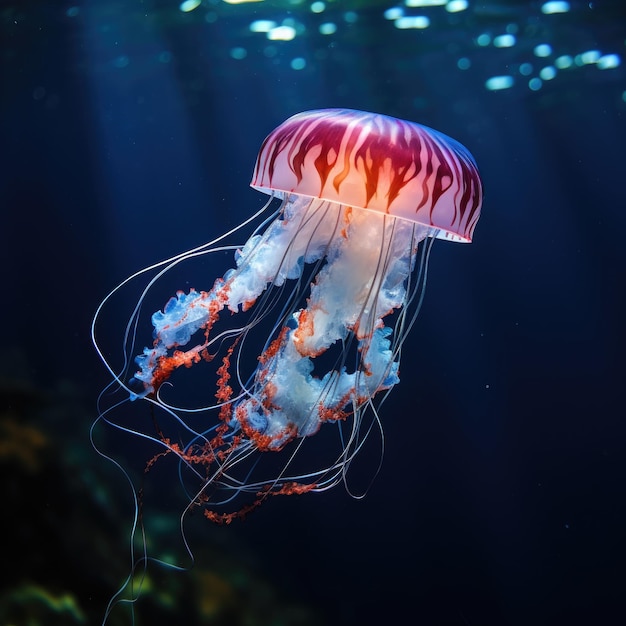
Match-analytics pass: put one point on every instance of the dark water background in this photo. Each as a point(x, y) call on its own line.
point(128, 133)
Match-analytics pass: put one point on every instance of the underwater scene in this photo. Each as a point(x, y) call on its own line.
point(314, 312)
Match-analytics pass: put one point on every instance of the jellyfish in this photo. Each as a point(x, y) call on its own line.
point(327, 286)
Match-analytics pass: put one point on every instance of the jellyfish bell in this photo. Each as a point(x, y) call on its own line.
point(372, 161)
point(340, 269)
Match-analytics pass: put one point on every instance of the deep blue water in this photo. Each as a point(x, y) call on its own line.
point(128, 134)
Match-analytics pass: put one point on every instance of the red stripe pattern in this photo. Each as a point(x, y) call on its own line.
point(372, 161)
